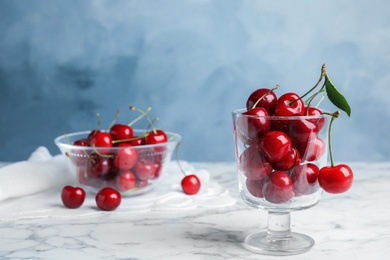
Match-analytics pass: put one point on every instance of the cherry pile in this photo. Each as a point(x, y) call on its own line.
point(114, 165)
point(282, 147)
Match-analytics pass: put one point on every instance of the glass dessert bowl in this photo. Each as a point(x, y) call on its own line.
point(130, 169)
point(278, 160)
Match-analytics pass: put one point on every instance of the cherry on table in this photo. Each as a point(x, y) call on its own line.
point(72, 197)
point(336, 179)
point(108, 199)
point(190, 184)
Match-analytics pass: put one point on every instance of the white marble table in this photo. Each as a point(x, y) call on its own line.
point(354, 225)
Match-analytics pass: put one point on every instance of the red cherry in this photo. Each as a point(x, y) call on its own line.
point(108, 199)
point(92, 133)
point(255, 187)
point(137, 140)
point(98, 166)
point(336, 179)
point(190, 184)
point(101, 139)
point(312, 150)
point(312, 111)
point(121, 132)
point(72, 197)
point(289, 104)
point(125, 158)
point(290, 160)
point(81, 142)
point(125, 180)
point(156, 137)
point(303, 130)
point(305, 178)
point(145, 169)
point(80, 156)
point(268, 101)
point(253, 164)
point(278, 187)
point(254, 123)
point(275, 145)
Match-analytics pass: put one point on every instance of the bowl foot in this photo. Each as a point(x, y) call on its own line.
point(263, 243)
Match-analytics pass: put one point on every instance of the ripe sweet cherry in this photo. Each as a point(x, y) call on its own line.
point(108, 199)
point(72, 197)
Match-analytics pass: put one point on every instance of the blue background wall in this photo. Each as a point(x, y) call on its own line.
point(193, 61)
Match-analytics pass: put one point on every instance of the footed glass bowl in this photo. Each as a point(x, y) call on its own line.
point(278, 161)
point(129, 169)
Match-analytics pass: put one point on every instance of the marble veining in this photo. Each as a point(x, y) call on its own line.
point(354, 225)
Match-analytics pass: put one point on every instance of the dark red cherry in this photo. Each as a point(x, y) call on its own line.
point(253, 123)
point(98, 165)
point(305, 178)
point(156, 137)
point(190, 184)
point(275, 145)
point(145, 169)
point(312, 150)
point(278, 187)
point(289, 104)
point(72, 197)
point(268, 100)
point(101, 139)
point(125, 157)
point(289, 161)
point(312, 111)
point(302, 130)
point(108, 199)
point(336, 179)
point(253, 164)
point(125, 180)
point(121, 132)
point(255, 187)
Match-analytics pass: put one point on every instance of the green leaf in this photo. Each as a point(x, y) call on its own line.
point(336, 97)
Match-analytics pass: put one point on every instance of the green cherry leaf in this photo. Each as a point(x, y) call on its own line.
point(336, 97)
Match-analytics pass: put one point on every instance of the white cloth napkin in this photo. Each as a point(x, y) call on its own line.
point(40, 172)
point(32, 189)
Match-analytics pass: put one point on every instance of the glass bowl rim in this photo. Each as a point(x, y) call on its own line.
point(61, 141)
point(239, 112)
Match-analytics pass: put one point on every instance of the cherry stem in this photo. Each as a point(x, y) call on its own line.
point(115, 119)
point(334, 116)
point(98, 121)
point(177, 159)
point(153, 121)
point(129, 139)
point(141, 116)
point(77, 168)
point(308, 102)
point(323, 74)
point(145, 115)
point(263, 96)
